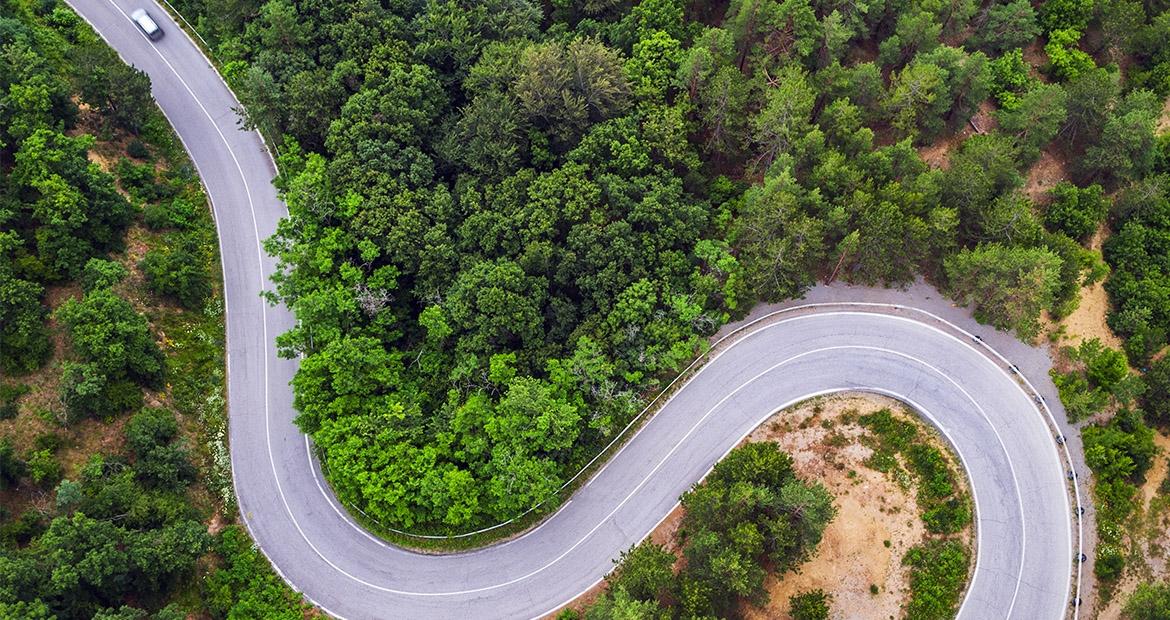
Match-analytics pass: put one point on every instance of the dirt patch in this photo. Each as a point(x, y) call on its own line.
point(1035, 56)
point(1164, 119)
point(1049, 170)
point(1088, 320)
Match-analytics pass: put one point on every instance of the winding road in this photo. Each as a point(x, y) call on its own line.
point(1027, 534)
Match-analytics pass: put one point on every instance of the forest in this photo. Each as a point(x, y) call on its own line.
point(510, 221)
point(113, 460)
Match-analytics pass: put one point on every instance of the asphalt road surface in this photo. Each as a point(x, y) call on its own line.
point(1026, 532)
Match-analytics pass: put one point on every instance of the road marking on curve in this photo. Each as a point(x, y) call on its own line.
point(664, 459)
point(264, 312)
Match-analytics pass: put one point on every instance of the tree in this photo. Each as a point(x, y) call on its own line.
point(721, 101)
point(564, 88)
point(1061, 14)
point(102, 274)
point(1156, 400)
point(785, 119)
point(983, 169)
point(73, 207)
point(1125, 150)
point(1008, 286)
point(488, 138)
point(1091, 96)
point(645, 572)
point(24, 340)
point(1068, 62)
point(150, 435)
point(11, 467)
point(1008, 26)
point(618, 604)
point(916, 94)
point(120, 92)
point(1075, 211)
point(1035, 119)
point(750, 507)
point(107, 331)
point(1149, 601)
point(781, 245)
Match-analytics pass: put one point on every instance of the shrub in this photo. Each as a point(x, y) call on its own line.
point(99, 273)
point(10, 394)
point(179, 271)
point(137, 149)
point(141, 182)
point(1068, 62)
point(44, 469)
point(1075, 211)
point(150, 435)
point(246, 586)
point(1150, 601)
point(178, 213)
point(938, 571)
point(11, 467)
point(812, 605)
point(1009, 78)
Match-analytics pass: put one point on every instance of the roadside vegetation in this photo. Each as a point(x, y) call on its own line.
point(115, 488)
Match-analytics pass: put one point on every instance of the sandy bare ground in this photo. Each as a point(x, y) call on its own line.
point(871, 509)
point(1088, 320)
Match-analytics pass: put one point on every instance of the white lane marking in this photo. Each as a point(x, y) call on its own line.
point(659, 465)
point(260, 265)
point(979, 355)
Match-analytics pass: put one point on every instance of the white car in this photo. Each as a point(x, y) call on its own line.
point(147, 24)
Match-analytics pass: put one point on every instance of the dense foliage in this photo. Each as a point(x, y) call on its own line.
point(1149, 601)
point(510, 219)
point(752, 514)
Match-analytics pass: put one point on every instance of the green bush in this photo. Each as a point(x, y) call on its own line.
point(44, 469)
point(1150, 601)
point(10, 394)
point(137, 149)
point(100, 273)
point(1010, 78)
point(938, 573)
point(812, 605)
point(11, 467)
point(1068, 62)
point(179, 271)
point(1075, 211)
point(141, 181)
point(246, 586)
point(158, 459)
point(178, 213)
